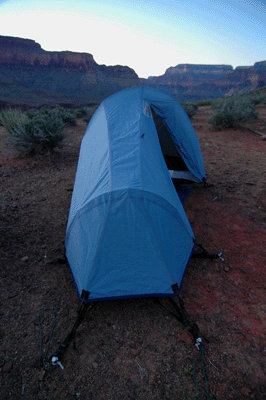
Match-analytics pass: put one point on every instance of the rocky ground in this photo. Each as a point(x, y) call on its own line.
point(132, 349)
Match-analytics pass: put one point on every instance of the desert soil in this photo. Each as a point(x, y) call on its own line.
point(132, 349)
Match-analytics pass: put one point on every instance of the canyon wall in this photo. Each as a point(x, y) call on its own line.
point(31, 76)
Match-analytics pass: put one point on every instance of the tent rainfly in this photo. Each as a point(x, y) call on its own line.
point(127, 232)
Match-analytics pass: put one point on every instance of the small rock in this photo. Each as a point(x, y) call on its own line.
point(11, 295)
point(229, 189)
point(24, 259)
point(7, 366)
point(41, 375)
point(245, 391)
point(95, 365)
point(262, 389)
point(226, 269)
point(132, 395)
point(252, 344)
point(207, 319)
point(134, 352)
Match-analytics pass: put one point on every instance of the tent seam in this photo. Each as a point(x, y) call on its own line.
point(140, 137)
point(109, 148)
point(110, 200)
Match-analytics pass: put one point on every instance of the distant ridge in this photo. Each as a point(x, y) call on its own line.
point(191, 82)
point(32, 77)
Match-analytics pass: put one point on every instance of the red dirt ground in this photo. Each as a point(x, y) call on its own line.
point(132, 349)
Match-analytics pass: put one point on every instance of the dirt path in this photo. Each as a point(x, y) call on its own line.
point(132, 349)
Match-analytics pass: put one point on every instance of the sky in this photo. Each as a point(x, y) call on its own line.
point(148, 36)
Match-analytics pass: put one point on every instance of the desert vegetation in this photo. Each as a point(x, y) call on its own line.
point(230, 112)
point(190, 108)
point(131, 348)
point(40, 131)
point(11, 118)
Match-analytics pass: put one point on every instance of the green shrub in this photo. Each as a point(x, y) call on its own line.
point(39, 134)
point(11, 118)
point(230, 112)
point(257, 98)
point(190, 108)
point(217, 103)
point(204, 102)
point(68, 116)
point(89, 114)
point(81, 112)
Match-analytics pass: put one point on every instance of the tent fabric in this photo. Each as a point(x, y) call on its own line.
point(127, 232)
point(183, 192)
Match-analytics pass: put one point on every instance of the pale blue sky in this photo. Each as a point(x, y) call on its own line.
point(148, 36)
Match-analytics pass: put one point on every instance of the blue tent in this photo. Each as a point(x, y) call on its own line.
point(127, 232)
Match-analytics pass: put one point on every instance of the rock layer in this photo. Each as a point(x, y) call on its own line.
point(197, 82)
point(31, 76)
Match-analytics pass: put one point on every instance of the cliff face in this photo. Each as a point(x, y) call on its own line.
point(37, 76)
point(31, 76)
point(191, 74)
point(196, 82)
point(198, 69)
point(14, 43)
point(255, 75)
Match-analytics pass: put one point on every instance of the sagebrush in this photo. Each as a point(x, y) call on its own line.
point(41, 131)
point(190, 108)
point(89, 113)
point(231, 112)
point(11, 118)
